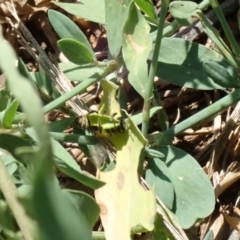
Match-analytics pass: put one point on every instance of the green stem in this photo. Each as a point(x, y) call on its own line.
point(199, 117)
point(98, 235)
point(225, 26)
point(74, 138)
point(11, 195)
point(79, 88)
point(153, 69)
point(204, 4)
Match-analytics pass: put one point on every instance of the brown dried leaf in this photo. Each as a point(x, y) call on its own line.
point(232, 221)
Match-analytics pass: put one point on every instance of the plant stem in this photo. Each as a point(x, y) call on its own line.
point(11, 194)
point(74, 138)
point(204, 4)
point(199, 117)
point(98, 235)
point(225, 26)
point(79, 88)
point(153, 69)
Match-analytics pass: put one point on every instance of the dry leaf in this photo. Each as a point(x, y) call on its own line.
point(232, 221)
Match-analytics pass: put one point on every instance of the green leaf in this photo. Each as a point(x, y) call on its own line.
point(153, 153)
point(12, 143)
point(147, 7)
point(83, 201)
point(136, 48)
point(75, 51)
point(56, 216)
point(194, 194)
point(44, 82)
point(93, 10)
point(79, 73)
point(214, 35)
point(220, 75)
point(66, 164)
point(52, 211)
point(66, 28)
point(44, 85)
point(158, 174)
point(137, 118)
point(4, 99)
point(116, 14)
point(122, 195)
point(10, 162)
point(182, 10)
point(25, 93)
point(181, 63)
point(61, 125)
point(9, 114)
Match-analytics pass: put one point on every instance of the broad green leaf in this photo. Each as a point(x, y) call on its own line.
point(122, 195)
point(75, 51)
point(220, 75)
point(116, 14)
point(93, 10)
point(4, 99)
point(181, 63)
point(158, 174)
point(136, 48)
point(66, 164)
point(79, 73)
point(137, 118)
point(194, 194)
point(182, 11)
point(66, 28)
point(147, 7)
point(81, 201)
